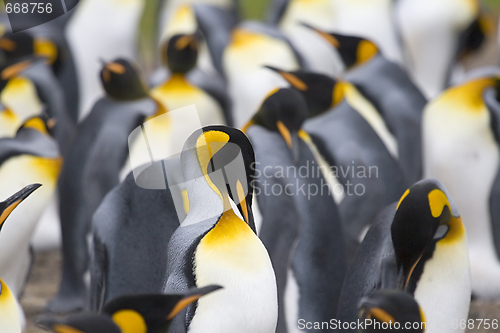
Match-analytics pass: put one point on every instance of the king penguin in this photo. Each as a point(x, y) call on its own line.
point(435, 35)
point(213, 245)
point(418, 245)
point(92, 169)
point(461, 149)
point(301, 228)
point(10, 319)
point(344, 128)
point(391, 307)
point(31, 156)
point(151, 313)
point(388, 87)
point(132, 223)
point(252, 46)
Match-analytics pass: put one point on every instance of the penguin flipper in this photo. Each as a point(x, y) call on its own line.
point(98, 274)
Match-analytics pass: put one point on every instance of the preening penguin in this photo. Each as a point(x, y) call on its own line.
point(461, 141)
point(388, 87)
point(300, 228)
point(131, 224)
point(32, 156)
point(419, 246)
point(92, 168)
point(384, 307)
point(10, 319)
point(215, 246)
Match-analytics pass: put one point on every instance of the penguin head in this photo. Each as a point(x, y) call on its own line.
point(391, 306)
point(283, 111)
point(8, 205)
point(226, 159)
point(353, 50)
point(153, 312)
point(9, 70)
point(16, 46)
point(317, 89)
point(180, 53)
point(122, 80)
point(425, 215)
point(84, 322)
point(41, 124)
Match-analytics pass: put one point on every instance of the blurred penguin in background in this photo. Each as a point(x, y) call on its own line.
point(461, 148)
point(92, 169)
point(436, 35)
point(101, 29)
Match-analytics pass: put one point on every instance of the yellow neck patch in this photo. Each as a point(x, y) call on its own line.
point(469, 95)
point(338, 93)
point(130, 321)
point(242, 38)
point(60, 328)
point(456, 231)
point(46, 48)
point(37, 124)
point(366, 50)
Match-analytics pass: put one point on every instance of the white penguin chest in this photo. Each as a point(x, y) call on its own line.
point(232, 256)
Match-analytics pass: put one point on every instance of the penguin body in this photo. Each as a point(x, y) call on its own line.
point(96, 157)
point(471, 108)
point(251, 47)
point(32, 156)
point(10, 318)
point(119, 19)
point(214, 244)
point(301, 229)
point(130, 224)
point(434, 266)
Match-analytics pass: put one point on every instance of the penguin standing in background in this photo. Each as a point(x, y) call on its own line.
point(101, 29)
point(31, 156)
point(10, 319)
point(32, 86)
point(435, 35)
point(289, 15)
point(302, 231)
point(92, 169)
point(150, 313)
point(131, 222)
point(418, 245)
point(390, 307)
point(252, 46)
point(460, 144)
point(214, 245)
point(388, 87)
point(343, 126)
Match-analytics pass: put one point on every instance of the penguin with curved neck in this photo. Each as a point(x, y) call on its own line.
point(296, 224)
point(92, 168)
point(373, 76)
point(407, 248)
point(215, 245)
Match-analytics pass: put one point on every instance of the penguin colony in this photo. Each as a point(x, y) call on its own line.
point(335, 165)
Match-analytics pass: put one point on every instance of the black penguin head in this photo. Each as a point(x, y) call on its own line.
point(180, 53)
point(16, 46)
point(424, 216)
point(317, 89)
point(122, 80)
point(8, 205)
point(84, 322)
point(353, 50)
point(152, 312)
point(42, 124)
point(283, 111)
point(384, 307)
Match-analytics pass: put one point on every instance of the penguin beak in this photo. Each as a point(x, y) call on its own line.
point(328, 37)
point(15, 69)
point(291, 139)
point(12, 202)
point(189, 297)
point(292, 79)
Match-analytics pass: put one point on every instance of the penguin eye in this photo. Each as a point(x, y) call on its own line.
point(441, 231)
